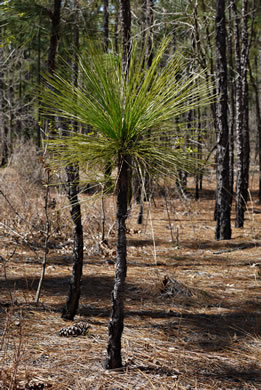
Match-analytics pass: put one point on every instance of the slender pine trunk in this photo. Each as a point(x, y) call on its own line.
point(223, 197)
point(245, 110)
point(114, 359)
point(242, 134)
point(231, 89)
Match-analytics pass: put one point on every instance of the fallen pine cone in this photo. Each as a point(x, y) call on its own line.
point(78, 329)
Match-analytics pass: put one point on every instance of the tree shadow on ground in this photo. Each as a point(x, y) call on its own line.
point(224, 245)
point(206, 332)
point(98, 286)
point(229, 375)
point(223, 376)
point(92, 287)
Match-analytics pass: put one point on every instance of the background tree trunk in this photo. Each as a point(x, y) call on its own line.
point(245, 110)
point(54, 37)
point(116, 26)
point(3, 123)
point(38, 130)
point(105, 24)
point(223, 197)
point(258, 108)
point(149, 25)
point(125, 20)
point(74, 292)
point(241, 120)
point(231, 90)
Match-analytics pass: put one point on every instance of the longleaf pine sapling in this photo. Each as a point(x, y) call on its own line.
point(131, 115)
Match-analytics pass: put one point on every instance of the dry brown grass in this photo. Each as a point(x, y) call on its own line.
point(207, 339)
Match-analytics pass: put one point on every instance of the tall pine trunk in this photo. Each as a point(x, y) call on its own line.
point(114, 359)
point(245, 110)
point(242, 133)
point(231, 89)
point(223, 196)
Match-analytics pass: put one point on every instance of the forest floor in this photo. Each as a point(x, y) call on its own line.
point(200, 330)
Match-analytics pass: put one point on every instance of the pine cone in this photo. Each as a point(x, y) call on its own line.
point(77, 329)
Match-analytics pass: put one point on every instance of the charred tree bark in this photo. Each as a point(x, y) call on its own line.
point(223, 196)
point(74, 292)
point(242, 133)
point(245, 110)
point(231, 89)
point(114, 359)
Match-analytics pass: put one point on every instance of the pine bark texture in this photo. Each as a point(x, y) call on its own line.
point(223, 196)
point(258, 110)
point(74, 292)
point(242, 133)
point(245, 111)
point(114, 359)
point(231, 88)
